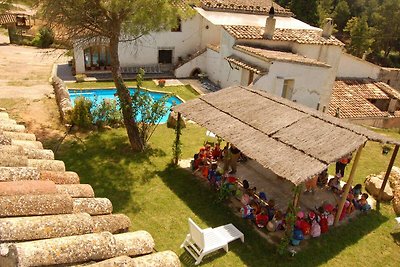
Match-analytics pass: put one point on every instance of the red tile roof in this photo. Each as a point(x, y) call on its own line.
point(279, 56)
point(292, 35)
point(245, 65)
point(351, 98)
point(244, 6)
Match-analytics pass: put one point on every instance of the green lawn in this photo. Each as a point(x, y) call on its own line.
point(159, 198)
point(186, 92)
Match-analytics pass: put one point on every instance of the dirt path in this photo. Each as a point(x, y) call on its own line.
point(25, 89)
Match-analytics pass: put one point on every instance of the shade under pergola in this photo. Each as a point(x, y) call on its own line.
point(292, 140)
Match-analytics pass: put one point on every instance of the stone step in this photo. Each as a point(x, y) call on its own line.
point(4, 115)
point(93, 206)
point(42, 227)
point(76, 249)
point(12, 128)
point(76, 190)
point(27, 144)
point(17, 229)
point(33, 205)
point(4, 140)
point(14, 161)
point(159, 259)
point(31, 153)
point(114, 223)
point(47, 165)
point(8, 121)
point(19, 173)
point(60, 177)
point(19, 136)
point(17, 188)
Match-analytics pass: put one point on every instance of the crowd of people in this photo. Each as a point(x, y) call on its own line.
point(260, 209)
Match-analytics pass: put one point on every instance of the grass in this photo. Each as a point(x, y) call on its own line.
point(186, 92)
point(159, 198)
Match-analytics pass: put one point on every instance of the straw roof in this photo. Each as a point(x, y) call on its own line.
point(293, 141)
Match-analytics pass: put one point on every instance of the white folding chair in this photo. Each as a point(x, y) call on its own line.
point(201, 242)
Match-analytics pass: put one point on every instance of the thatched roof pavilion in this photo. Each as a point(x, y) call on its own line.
point(293, 141)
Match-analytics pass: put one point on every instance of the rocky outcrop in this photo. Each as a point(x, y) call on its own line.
point(373, 184)
point(394, 179)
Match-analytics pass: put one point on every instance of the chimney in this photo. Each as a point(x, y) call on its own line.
point(328, 28)
point(270, 24)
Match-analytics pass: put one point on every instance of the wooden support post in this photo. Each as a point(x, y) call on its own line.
point(296, 197)
point(389, 169)
point(177, 139)
point(348, 185)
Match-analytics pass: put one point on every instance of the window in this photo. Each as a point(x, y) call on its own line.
point(287, 91)
point(178, 27)
point(165, 56)
point(97, 57)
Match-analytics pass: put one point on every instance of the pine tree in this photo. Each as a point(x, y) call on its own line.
point(360, 34)
point(305, 10)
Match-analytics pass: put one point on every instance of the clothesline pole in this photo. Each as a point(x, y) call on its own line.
point(389, 169)
point(348, 185)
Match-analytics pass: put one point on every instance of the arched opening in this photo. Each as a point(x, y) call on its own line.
point(97, 57)
point(195, 73)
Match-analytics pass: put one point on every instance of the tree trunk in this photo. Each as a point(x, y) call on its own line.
point(124, 96)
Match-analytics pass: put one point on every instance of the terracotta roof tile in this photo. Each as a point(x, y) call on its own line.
point(213, 47)
point(245, 65)
point(279, 55)
point(351, 98)
point(244, 6)
point(292, 35)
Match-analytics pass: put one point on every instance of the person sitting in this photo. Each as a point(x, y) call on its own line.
point(334, 184)
point(216, 152)
point(357, 191)
point(362, 204)
point(271, 209)
point(262, 218)
point(311, 184)
point(322, 178)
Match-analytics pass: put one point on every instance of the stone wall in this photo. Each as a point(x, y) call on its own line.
point(62, 97)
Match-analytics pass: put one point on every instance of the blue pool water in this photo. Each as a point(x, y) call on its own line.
point(101, 94)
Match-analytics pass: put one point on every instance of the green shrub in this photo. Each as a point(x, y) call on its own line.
point(107, 113)
point(44, 38)
point(81, 115)
point(80, 78)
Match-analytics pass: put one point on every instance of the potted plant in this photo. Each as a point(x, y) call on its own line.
point(161, 83)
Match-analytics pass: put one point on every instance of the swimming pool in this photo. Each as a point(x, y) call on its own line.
point(101, 94)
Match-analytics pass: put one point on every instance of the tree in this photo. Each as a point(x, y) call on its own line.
point(360, 34)
point(146, 110)
point(5, 5)
point(324, 10)
point(305, 10)
point(386, 23)
point(341, 14)
point(114, 21)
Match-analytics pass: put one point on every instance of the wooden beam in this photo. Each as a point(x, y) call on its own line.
point(177, 138)
point(387, 174)
point(348, 185)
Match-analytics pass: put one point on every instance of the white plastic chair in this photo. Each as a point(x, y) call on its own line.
point(201, 242)
point(397, 226)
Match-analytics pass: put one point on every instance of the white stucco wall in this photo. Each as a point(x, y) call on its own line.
point(310, 87)
point(213, 63)
point(79, 60)
point(186, 69)
point(354, 67)
point(145, 50)
point(210, 33)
